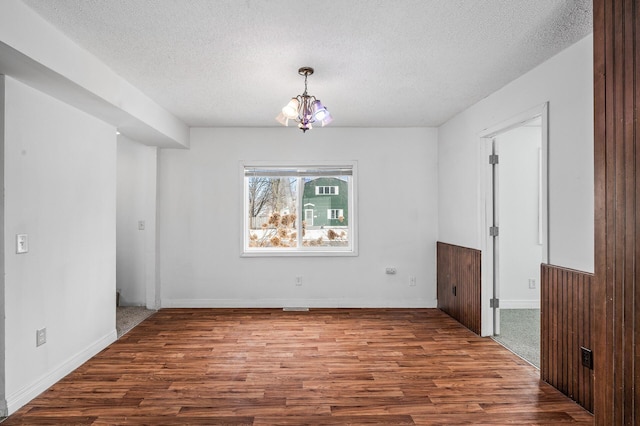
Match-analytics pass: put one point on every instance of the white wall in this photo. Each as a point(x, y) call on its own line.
point(566, 83)
point(520, 248)
point(200, 219)
point(60, 182)
point(3, 401)
point(136, 201)
point(34, 51)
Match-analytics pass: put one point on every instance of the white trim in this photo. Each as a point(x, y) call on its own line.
point(340, 212)
point(335, 188)
point(307, 252)
point(352, 219)
point(307, 303)
point(516, 121)
point(486, 207)
point(21, 397)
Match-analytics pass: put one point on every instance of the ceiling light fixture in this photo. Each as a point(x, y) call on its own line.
point(304, 109)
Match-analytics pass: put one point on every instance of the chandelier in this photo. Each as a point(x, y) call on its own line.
point(305, 109)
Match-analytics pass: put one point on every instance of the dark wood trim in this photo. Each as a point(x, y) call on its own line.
point(460, 284)
point(565, 326)
point(616, 293)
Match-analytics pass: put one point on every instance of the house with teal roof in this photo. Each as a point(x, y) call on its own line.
point(325, 202)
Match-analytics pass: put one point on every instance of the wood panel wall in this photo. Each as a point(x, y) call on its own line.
point(565, 326)
point(459, 284)
point(616, 292)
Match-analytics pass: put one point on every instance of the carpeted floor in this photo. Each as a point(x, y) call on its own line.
point(520, 333)
point(128, 317)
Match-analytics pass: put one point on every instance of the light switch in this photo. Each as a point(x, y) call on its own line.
point(22, 243)
point(141, 225)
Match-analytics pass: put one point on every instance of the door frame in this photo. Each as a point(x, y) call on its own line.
point(486, 204)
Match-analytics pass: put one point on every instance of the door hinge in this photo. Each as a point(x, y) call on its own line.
point(494, 303)
point(493, 159)
point(494, 231)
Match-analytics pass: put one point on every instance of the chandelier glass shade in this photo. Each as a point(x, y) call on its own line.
point(304, 109)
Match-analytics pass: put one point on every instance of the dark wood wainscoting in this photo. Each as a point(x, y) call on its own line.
point(616, 293)
point(566, 327)
point(459, 284)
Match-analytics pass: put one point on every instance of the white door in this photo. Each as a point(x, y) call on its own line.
point(518, 217)
point(515, 216)
point(308, 217)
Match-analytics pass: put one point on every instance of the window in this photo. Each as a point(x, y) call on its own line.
point(335, 214)
point(327, 190)
point(298, 210)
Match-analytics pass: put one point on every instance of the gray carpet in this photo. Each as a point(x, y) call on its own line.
point(128, 317)
point(520, 333)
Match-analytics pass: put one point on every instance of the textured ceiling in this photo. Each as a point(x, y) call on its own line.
point(378, 62)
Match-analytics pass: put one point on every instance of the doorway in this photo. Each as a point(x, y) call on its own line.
point(517, 236)
point(308, 217)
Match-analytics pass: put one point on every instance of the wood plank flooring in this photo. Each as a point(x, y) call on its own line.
point(322, 367)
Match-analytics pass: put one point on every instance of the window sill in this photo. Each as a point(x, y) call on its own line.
point(294, 253)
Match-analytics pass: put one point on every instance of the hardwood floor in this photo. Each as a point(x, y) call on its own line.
point(322, 367)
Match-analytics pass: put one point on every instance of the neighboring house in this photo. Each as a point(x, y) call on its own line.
point(325, 202)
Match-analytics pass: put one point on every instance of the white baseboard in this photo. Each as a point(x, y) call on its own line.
point(297, 303)
point(18, 399)
point(519, 304)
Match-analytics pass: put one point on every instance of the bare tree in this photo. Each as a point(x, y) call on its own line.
point(281, 193)
point(260, 195)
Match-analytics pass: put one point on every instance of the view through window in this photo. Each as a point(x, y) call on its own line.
point(299, 209)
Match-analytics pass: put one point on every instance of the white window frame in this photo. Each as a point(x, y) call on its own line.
point(339, 212)
point(326, 190)
point(300, 250)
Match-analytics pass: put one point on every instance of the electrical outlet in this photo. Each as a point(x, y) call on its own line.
point(587, 357)
point(390, 271)
point(532, 283)
point(41, 336)
point(412, 281)
point(298, 280)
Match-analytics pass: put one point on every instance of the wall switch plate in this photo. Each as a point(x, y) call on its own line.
point(390, 271)
point(412, 281)
point(41, 336)
point(141, 225)
point(22, 243)
point(532, 283)
point(298, 280)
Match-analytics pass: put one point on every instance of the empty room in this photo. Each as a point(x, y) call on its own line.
point(278, 212)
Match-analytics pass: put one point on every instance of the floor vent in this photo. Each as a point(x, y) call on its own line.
point(294, 309)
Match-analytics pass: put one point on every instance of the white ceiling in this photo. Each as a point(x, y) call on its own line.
point(385, 63)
